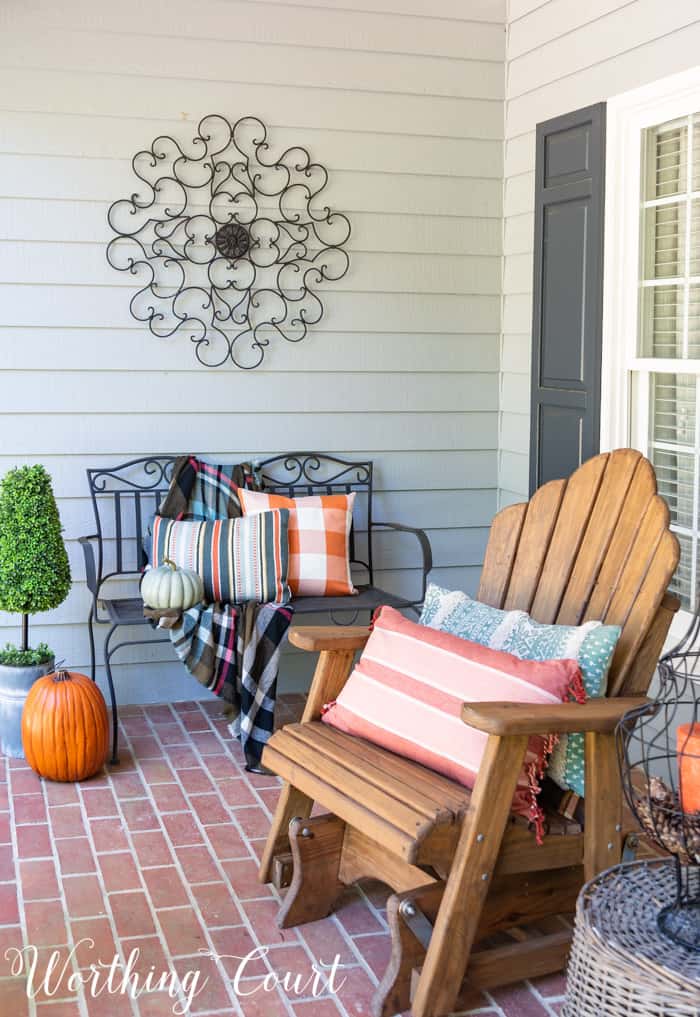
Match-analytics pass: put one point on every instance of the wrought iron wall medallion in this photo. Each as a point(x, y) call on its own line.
point(229, 242)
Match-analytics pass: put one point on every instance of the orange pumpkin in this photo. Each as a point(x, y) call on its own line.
point(65, 729)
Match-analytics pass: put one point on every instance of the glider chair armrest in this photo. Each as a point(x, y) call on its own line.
point(504, 719)
point(90, 565)
point(315, 638)
point(426, 550)
point(337, 653)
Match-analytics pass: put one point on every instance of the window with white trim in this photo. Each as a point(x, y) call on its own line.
point(665, 390)
point(651, 319)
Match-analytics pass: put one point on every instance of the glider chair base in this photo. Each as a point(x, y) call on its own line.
point(476, 900)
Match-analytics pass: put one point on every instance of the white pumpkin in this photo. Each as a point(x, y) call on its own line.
point(169, 586)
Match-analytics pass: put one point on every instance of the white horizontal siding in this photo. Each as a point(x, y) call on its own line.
point(152, 396)
point(288, 27)
point(45, 221)
point(36, 305)
point(60, 178)
point(46, 434)
point(82, 137)
point(220, 60)
point(618, 30)
point(61, 91)
point(322, 351)
point(24, 261)
point(404, 105)
point(562, 55)
point(476, 10)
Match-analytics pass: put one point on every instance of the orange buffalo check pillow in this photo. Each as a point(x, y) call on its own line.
point(319, 540)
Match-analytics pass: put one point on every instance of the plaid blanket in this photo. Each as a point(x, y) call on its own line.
point(232, 649)
point(199, 490)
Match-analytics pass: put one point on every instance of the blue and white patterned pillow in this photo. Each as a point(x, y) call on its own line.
point(591, 644)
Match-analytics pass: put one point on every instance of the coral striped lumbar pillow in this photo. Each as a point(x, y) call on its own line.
point(319, 540)
point(407, 690)
point(238, 559)
point(591, 645)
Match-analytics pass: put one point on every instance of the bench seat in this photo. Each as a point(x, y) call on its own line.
point(129, 610)
point(368, 598)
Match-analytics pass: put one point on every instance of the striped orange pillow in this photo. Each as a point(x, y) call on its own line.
point(407, 690)
point(319, 540)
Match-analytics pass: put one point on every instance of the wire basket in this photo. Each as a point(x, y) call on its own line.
point(659, 754)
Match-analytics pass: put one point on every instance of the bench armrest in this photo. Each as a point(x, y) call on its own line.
point(599, 715)
point(329, 637)
point(426, 550)
point(90, 567)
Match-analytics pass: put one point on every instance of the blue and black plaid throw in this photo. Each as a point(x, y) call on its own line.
point(232, 649)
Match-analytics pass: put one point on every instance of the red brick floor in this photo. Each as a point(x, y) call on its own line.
point(156, 859)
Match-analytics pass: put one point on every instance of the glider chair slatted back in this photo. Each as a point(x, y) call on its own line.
point(597, 546)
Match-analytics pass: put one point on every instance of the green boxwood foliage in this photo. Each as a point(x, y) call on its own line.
point(34, 569)
point(12, 657)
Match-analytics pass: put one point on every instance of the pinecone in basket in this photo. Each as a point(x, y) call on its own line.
point(663, 819)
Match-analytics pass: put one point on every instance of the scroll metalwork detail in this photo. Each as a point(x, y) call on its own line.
point(322, 471)
point(229, 243)
point(147, 474)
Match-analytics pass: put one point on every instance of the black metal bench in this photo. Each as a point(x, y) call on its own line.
point(125, 497)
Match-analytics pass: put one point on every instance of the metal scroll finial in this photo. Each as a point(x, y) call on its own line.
point(229, 242)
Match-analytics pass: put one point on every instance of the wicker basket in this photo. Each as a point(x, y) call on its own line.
point(620, 964)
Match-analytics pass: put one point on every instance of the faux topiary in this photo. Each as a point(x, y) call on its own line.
point(34, 569)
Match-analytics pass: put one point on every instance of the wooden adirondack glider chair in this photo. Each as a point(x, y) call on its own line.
point(597, 546)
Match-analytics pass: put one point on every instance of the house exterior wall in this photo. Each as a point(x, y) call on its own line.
point(403, 102)
point(560, 56)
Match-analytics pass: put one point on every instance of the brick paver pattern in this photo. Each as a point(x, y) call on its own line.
point(159, 855)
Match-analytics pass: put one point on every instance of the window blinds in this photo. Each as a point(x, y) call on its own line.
point(670, 326)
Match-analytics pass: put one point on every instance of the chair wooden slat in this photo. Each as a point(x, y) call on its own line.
point(408, 783)
point(563, 552)
point(500, 554)
point(643, 611)
point(398, 777)
point(341, 800)
point(636, 680)
point(620, 471)
point(653, 524)
point(636, 504)
point(375, 777)
point(540, 520)
point(404, 817)
point(445, 791)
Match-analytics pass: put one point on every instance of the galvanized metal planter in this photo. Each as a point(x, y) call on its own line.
point(15, 683)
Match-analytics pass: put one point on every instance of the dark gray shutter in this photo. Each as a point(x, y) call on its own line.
point(568, 293)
